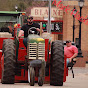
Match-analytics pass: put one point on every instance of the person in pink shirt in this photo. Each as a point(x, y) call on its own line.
point(70, 51)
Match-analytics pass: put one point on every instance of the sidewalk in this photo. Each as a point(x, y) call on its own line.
point(80, 70)
point(80, 80)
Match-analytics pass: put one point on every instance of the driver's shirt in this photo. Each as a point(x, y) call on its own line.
point(26, 27)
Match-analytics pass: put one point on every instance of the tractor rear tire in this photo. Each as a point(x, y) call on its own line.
point(57, 63)
point(8, 72)
point(32, 76)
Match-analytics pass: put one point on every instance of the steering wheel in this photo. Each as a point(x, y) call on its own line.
point(33, 30)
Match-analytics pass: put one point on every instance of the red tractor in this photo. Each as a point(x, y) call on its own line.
point(42, 61)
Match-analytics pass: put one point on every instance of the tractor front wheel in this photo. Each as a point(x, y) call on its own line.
point(40, 78)
point(32, 76)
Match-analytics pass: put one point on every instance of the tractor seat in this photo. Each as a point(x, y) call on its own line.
point(35, 63)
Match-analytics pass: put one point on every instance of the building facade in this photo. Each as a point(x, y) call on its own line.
point(65, 16)
point(68, 27)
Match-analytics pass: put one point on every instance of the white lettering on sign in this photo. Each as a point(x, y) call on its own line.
point(43, 12)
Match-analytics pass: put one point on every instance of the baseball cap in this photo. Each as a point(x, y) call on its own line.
point(67, 41)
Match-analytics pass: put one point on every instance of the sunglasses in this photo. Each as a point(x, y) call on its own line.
point(67, 41)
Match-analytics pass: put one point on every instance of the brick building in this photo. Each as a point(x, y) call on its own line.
point(67, 19)
point(68, 28)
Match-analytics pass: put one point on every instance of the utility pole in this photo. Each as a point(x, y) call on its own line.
point(49, 18)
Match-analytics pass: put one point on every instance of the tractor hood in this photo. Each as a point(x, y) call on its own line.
point(33, 38)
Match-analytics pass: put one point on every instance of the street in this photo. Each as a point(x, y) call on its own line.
point(80, 81)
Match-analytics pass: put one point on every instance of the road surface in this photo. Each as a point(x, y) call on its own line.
point(80, 81)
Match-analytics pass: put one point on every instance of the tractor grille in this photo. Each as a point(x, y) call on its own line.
point(41, 50)
point(36, 51)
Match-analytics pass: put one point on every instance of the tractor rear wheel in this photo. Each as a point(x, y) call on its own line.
point(32, 76)
point(57, 63)
point(8, 72)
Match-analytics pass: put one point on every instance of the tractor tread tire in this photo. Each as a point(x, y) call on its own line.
point(41, 77)
point(57, 63)
point(32, 76)
point(40, 81)
point(8, 72)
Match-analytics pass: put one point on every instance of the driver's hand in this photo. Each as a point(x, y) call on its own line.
point(37, 29)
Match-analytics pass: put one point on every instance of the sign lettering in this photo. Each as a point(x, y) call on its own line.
point(43, 12)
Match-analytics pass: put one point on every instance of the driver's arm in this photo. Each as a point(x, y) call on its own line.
point(39, 30)
point(20, 33)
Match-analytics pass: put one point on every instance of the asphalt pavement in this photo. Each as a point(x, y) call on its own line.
point(80, 81)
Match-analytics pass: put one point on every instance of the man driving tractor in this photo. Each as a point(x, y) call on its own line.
point(29, 28)
point(26, 29)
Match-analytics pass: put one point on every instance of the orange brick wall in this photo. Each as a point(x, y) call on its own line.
point(68, 28)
